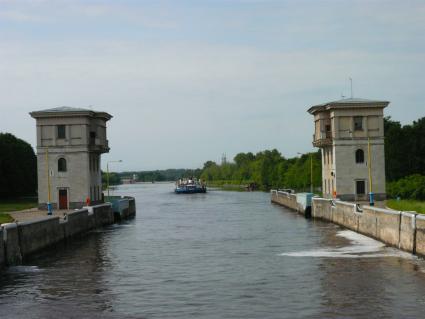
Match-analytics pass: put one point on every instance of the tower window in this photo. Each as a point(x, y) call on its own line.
point(358, 123)
point(359, 156)
point(62, 165)
point(61, 131)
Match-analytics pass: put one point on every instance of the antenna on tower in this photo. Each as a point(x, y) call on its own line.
point(223, 158)
point(351, 86)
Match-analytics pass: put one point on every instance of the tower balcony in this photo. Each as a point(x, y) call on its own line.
point(98, 145)
point(322, 139)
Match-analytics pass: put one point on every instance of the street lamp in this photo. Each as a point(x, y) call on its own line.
point(107, 174)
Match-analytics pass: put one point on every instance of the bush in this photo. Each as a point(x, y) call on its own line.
point(410, 187)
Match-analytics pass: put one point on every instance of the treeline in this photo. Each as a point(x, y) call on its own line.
point(267, 169)
point(18, 167)
point(114, 179)
point(161, 175)
point(404, 156)
point(404, 149)
point(405, 159)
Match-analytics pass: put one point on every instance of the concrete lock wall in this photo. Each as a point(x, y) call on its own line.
point(347, 215)
point(12, 250)
point(77, 222)
point(322, 208)
point(20, 240)
point(2, 252)
point(123, 207)
point(420, 235)
point(388, 226)
point(408, 232)
point(103, 215)
point(368, 222)
point(131, 206)
point(404, 230)
point(286, 199)
point(35, 235)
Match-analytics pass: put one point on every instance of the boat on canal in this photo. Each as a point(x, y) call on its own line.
point(190, 186)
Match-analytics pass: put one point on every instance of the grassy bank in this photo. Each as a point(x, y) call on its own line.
point(11, 205)
point(5, 218)
point(407, 205)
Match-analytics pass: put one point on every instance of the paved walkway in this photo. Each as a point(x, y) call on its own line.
point(35, 213)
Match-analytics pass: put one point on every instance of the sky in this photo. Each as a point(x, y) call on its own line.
point(187, 81)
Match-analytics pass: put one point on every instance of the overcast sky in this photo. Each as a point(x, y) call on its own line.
point(189, 80)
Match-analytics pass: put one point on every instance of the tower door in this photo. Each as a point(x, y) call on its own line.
point(360, 189)
point(63, 199)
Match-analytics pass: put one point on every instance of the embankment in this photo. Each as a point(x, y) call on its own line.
point(403, 230)
point(19, 241)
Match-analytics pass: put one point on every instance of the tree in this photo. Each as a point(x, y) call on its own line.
point(18, 167)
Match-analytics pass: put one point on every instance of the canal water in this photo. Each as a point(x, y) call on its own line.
point(216, 255)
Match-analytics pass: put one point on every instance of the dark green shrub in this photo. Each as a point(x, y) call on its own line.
point(410, 187)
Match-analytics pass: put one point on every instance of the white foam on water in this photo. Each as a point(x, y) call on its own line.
point(360, 247)
point(23, 269)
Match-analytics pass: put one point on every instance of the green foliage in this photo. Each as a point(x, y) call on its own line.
point(162, 175)
point(267, 169)
point(410, 187)
point(5, 218)
point(407, 205)
point(404, 148)
point(18, 167)
point(114, 179)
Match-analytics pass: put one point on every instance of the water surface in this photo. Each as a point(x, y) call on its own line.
point(215, 255)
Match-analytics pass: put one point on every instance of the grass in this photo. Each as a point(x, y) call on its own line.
point(5, 218)
point(11, 205)
point(407, 205)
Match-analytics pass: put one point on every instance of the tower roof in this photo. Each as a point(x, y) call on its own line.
point(67, 111)
point(348, 103)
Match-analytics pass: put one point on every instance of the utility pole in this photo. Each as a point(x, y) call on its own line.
point(369, 161)
point(49, 203)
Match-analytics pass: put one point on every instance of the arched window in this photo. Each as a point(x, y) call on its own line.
point(359, 156)
point(62, 165)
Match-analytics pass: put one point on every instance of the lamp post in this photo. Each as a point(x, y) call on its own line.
point(107, 174)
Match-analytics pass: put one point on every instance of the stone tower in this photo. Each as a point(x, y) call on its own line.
point(343, 130)
point(70, 142)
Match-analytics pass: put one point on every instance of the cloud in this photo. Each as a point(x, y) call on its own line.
point(233, 77)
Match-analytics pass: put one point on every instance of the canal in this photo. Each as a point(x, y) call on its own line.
point(215, 255)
